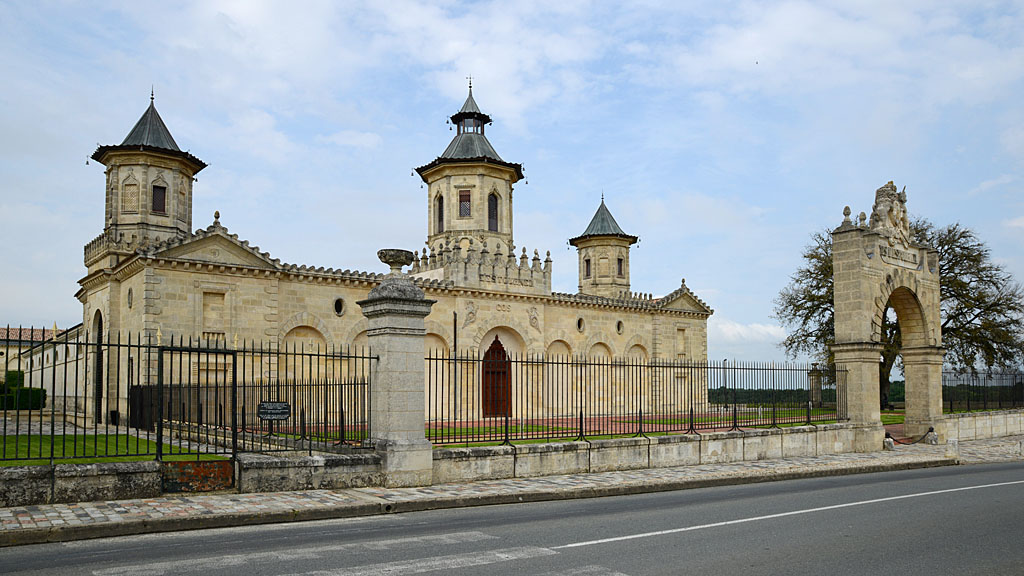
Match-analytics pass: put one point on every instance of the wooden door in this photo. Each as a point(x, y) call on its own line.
point(497, 382)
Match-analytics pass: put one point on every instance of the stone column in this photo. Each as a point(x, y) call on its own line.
point(396, 309)
point(922, 368)
point(860, 359)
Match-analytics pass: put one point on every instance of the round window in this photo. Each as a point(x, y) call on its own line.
point(579, 324)
point(339, 306)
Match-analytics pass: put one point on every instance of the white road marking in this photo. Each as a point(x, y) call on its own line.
point(585, 571)
point(291, 554)
point(781, 515)
point(451, 562)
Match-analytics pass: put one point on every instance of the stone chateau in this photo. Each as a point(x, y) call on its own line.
point(149, 273)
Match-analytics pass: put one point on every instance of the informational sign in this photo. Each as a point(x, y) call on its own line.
point(274, 410)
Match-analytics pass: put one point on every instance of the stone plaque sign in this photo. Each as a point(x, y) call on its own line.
point(274, 410)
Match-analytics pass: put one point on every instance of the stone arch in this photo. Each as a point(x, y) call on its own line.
point(305, 319)
point(598, 338)
point(511, 339)
point(440, 330)
point(354, 331)
point(901, 294)
point(875, 265)
point(600, 349)
point(558, 349)
point(98, 364)
point(637, 341)
point(514, 324)
point(637, 352)
point(553, 335)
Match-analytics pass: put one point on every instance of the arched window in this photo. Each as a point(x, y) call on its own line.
point(492, 212)
point(439, 213)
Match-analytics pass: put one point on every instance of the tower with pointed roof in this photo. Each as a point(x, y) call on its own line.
point(469, 188)
point(148, 191)
point(603, 251)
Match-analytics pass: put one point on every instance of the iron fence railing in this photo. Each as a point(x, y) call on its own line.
point(473, 398)
point(982, 391)
point(73, 395)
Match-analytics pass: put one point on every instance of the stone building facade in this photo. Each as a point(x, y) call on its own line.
point(148, 273)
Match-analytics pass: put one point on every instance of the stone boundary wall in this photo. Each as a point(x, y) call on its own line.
point(980, 425)
point(529, 460)
point(68, 483)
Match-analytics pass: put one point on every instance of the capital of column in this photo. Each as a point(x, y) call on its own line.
point(932, 355)
point(857, 352)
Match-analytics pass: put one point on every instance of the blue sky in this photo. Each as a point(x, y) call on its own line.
point(722, 134)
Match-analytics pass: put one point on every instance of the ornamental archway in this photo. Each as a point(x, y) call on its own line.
point(876, 264)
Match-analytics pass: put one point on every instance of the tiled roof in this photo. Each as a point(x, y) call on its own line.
point(27, 334)
point(151, 131)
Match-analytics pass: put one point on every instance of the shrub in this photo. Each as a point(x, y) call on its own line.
point(12, 379)
point(24, 399)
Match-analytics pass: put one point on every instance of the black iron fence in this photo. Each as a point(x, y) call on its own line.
point(503, 398)
point(982, 391)
point(72, 395)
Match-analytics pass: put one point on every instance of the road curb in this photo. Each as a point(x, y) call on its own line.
point(377, 506)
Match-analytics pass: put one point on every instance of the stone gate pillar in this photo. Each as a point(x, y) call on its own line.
point(395, 310)
point(875, 265)
point(922, 367)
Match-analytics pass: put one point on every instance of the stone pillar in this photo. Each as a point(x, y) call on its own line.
point(396, 309)
point(922, 368)
point(814, 379)
point(860, 359)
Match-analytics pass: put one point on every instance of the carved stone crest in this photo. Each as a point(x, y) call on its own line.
point(470, 314)
point(534, 321)
point(889, 215)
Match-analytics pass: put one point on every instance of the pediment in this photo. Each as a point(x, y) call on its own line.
point(216, 249)
point(683, 299)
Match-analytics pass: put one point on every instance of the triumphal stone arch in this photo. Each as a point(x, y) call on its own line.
point(875, 263)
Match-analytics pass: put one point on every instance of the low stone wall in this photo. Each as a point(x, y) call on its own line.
point(526, 460)
point(980, 425)
point(65, 483)
point(262, 473)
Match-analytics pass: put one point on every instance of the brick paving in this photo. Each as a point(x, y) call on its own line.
point(56, 522)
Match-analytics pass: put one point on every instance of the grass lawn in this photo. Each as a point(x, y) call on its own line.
point(892, 418)
point(28, 450)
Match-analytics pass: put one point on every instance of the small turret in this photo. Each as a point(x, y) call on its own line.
point(469, 187)
point(148, 190)
point(603, 250)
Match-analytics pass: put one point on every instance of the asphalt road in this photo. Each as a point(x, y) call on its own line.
point(958, 520)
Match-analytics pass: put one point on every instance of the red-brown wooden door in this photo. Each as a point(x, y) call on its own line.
point(497, 382)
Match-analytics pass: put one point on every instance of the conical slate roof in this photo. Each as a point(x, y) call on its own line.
point(603, 224)
point(150, 134)
point(151, 131)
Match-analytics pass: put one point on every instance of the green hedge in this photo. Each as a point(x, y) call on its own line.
point(12, 379)
point(24, 399)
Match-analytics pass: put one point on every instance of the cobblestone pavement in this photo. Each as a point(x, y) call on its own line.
point(42, 523)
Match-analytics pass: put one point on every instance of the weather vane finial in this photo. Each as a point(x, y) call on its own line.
point(152, 93)
point(470, 78)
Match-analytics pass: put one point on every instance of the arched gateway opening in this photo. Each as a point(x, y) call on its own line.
point(877, 266)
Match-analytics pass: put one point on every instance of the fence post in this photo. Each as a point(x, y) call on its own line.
point(160, 404)
point(396, 310)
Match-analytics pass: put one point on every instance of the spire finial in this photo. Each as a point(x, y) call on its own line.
point(602, 196)
point(152, 93)
point(470, 78)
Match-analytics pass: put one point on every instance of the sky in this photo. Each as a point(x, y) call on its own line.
point(723, 134)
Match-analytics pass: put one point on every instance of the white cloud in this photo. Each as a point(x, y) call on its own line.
point(733, 332)
point(353, 139)
point(989, 184)
point(1015, 223)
